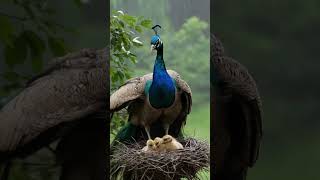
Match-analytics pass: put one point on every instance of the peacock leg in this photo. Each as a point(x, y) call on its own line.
point(147, 128)
point(166, 128)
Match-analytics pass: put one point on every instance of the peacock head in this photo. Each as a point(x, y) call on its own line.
point(156, 42)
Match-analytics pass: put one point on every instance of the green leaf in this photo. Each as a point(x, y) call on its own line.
point(57, 46)
point(133, 59)
point(78, 3)
point(136, 42)
point(10, 56)
point(11, 86)
point(21, 43)
point(36, 63)
point(114, 78)
point(6, 30)
point(138, 29)
point(121, 24)
point(37, 48)
point(29, 10)
point(147, 23)
point(50, 11)
point(17, 53)
point(130, 20)
point(11, 76)
point(127, 74)
point(37, 45)
point(123, 29)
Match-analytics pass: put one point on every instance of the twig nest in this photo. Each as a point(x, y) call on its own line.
point(130, 162)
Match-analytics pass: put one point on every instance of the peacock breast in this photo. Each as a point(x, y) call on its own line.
point(161, 93)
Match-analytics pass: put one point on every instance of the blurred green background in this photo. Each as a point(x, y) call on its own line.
point(278, 42)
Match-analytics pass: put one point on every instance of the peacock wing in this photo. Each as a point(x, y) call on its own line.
point(131, 90)
point(183, 85)
point(235, 79)
point(71, 89)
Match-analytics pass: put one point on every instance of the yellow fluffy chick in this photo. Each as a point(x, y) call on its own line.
point(150, 146)
point(169, 143)
point(158, 142)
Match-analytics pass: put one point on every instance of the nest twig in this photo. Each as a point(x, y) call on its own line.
point(129, 162)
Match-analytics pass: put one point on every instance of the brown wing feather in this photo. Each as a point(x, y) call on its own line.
point(251, 120)
point(255, 116)
point(60, 95)
point(181, 84)
point(236, 78)
point(238, 82)
point(132, 89)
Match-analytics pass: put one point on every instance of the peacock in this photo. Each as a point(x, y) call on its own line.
point(66, 103)
point(237, 126)
point(158, 103)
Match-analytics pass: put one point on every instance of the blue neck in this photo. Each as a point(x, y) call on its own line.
point(162, 90)
point(160, 52)
point(159, 66)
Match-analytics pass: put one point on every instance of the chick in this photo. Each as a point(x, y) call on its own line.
point(169, 143)
point(150, 146)
point(159, 143)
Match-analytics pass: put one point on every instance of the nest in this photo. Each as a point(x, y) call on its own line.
point(129, 162)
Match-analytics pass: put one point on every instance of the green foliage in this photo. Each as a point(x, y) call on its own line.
point(5, 30)
point(124, 41)
point(26, 36)
point(118, 120)
point(198, 125)
point(123, 30)
point(192, 50)
point(57, 46)
point(78, 3)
